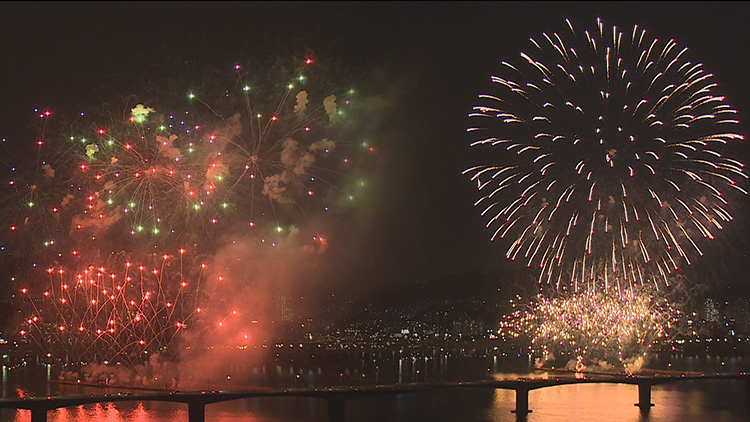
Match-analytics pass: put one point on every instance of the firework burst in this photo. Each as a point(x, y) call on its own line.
point(279, 156)
point(256, 164)
point(613, 158)
point(592, 327)
point(143, 175)
point(122, 312)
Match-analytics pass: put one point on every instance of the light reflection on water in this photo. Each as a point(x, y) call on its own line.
point(689, 401)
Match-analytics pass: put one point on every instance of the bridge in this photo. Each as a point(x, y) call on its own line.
point(337, 397)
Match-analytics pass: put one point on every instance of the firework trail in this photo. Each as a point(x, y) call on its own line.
point(612, 158)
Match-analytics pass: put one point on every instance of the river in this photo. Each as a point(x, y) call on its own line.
point(715, 400)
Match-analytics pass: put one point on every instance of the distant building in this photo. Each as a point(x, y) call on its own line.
point(710, 311)
point(284, 308)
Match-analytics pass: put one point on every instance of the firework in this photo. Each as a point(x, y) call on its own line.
point(143, 176)
point(254, 164)
point(279, 152)
point(592, 327)
point(613, 158)
point(35, 195)
point(249, 163)
point(120, 313)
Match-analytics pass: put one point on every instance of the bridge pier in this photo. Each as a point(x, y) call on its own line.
point(336, 410)
point(522, 401)
point(196, 411)
point(644, 396)
point(39, 414)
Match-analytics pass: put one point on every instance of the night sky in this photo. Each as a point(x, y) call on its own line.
point(421, 63)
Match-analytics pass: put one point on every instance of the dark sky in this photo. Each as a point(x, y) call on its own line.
point(425, 62)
